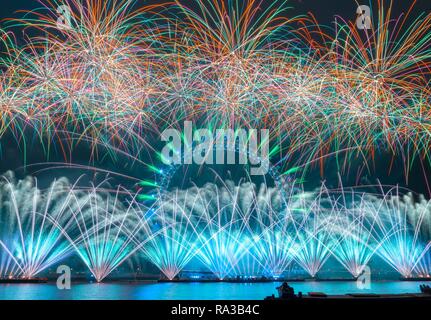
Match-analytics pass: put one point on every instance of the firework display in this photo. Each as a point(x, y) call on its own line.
point(233, 230)
point(113, 76)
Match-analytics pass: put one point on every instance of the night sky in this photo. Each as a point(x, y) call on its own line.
point(324, 11)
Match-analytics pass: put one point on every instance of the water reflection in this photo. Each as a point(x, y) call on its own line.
point(188, 291)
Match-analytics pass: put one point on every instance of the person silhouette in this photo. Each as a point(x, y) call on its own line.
point(285, 291)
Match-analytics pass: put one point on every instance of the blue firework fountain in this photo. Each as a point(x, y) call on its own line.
point(232, 230)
